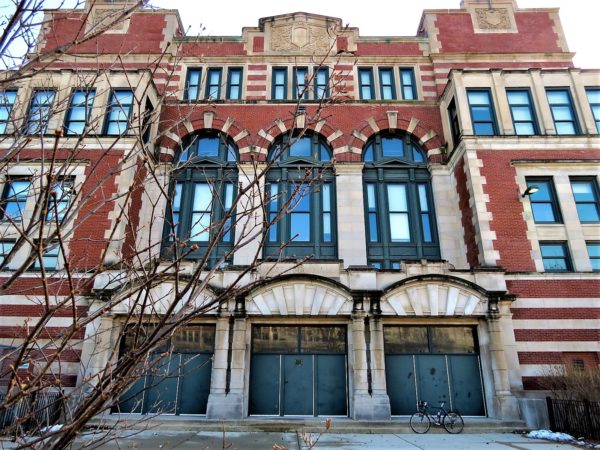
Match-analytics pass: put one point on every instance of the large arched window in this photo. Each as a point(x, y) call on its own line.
point(202, 192)
point(400, 217)
point(301, 199)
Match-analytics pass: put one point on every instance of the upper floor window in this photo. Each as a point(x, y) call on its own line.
point(400, 217)
point(454, 123)
point(203, 192)
point(321, 83)
point(561, 105)
point(593, 95)
point(279, 83)
point(482, 112)
point(80, 111)
point(301, 82)
point(7, 101)
point(407, 81)
point(39, 111)
point(386, 84)
point(585, 192)
point(49, 257)
point(301, 199)
point(544, 204)
point(14, 198)
point(365, 81)
point(192, 84)
point(119, 112)
point(213, 83)
point(5, 249)
point(61, 194)
point(234, 83)
point(593, 249)
point(521, 111)
point(555, 256)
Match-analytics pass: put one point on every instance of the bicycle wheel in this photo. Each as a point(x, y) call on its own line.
point(453, 422)
point(420, 423)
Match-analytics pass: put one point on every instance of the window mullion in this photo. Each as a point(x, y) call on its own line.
point(414, 216)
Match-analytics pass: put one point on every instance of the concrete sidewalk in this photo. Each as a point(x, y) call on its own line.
point(181, 440)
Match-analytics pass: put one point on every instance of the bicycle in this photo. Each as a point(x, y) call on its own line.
point(420, 422)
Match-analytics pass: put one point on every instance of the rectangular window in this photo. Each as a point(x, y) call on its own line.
point(213, 84)
point(300, 82)
point(365, 81)
point(80, 111)
point(5, 248)
point(176, 210)
point(192, 84)
point(273, 212)
point(585, 192)
point(398, 211)
point(407, 83)
point(563, 113)
point(118, 113)
point(39, 111)
point(326, 201)
point(521, 111)
point(234, 84)
point(593, 249)
point(372, 212)
point(201, 212)
point(482, 112)
point(555, 256)
point(14, 198)
point(7, 101)
point(321, 83)
point(300, 214)
point(60, 199)
point(593, 95)
point(425, 211)
point(386, 84)
point(279, 83)
point(543, 202)
point(454, 123)
point(227, 234)
point(49, 257)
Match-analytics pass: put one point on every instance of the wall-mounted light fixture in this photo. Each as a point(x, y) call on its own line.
point(530, 190)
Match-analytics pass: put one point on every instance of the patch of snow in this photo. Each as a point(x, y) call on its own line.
point(550, 435)
point(52, 429)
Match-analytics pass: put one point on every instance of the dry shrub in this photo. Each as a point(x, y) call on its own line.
point(568, 383)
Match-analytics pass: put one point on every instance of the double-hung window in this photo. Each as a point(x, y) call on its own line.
point(521, 111)
point(80, 111)
point(119, 112)
point(203, 192)
point(408, 84)
point(366, 83)
point(585, 193)
point(14, 198)
point(234, 83)
point(321, 83)
point(555, 256)
point(400, 220)
point(49, 257)
point(482, 112)
point(593, 249)
point(61, 194)
point(39, 111)
point(279, 83)
point(544, 204)
point(593, 95)
point(300, 83)
point(386, 84)
point(213, 83)
point(561, 105)
point(192, 84)
point(7, 101)
point(300, 193)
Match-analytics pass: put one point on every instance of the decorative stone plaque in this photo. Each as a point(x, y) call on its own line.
point(300, 38)
point(493, 19)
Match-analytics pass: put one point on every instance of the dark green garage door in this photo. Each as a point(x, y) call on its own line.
point(298, 371)
point(178, 383)
point(435, 364)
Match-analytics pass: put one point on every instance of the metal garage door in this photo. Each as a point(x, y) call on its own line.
point(178, 383)
point(298, 371)
point(435, 364)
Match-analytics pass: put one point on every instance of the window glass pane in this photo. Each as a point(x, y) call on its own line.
point(521, 113)
point(405, 340)
point(407, 93)
point(323, 339)
point(550, 250)
point(202, 197)
point(208, 147)
point(481, 113)
point(266, 339)
point(365, 93)
point(200, 226)
point(593, 95)
point(558, 97)
point(543, 212)
point(588, 212)
point(228, 196)
point(565, 128)
point(326, 189)
point(399, 228)
point(324, 153)
point(365, 77)
point(279, 77)
point(327, 227)
point(371, 197)
point(543, 194)
point(301, 200)
point(524, 129)
point(397, 200)
point(234, 93)
point(387, 93)
point(518, 97)
point(406, 76)
point(300, 227)
point(194, 339)
point(417, 155)
point(392, 147)
point(426, 225)
point(562, 113)
point(301, 147)
point(452, 340)
point(369, 153)
point(373, 232)
point(583, 191)
point(386, 76)
point(478, 98)
point(423, 198)
point(594, 250)
point(483, 129)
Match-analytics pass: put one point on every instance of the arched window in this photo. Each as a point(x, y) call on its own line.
point(202, 192)
point(399, 212)
point(301, 199)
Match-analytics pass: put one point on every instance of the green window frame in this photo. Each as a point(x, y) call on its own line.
point(555, 256)
point(7, 102)
point(408, 83)
point(202, 200)
point(522, 112)
point(192, 83)
point(14, 198)
point(366, 83)
point(213, 83)
point(483, 117)
point(118, 113)
point(399, 209)
point(387, 85)
point(593, 96)
point(563, 113)
point(279, 83)
point(300, 193)
point(80, 111)
point(234, 83)
point(321, 83)
point(301, 83)
point(585, 194)
point(544, 203)
point(40, 110)
point(593, 249)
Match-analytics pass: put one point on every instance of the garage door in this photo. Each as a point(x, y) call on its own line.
point(298, 371)
point(178, 383)
point(435, 364)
